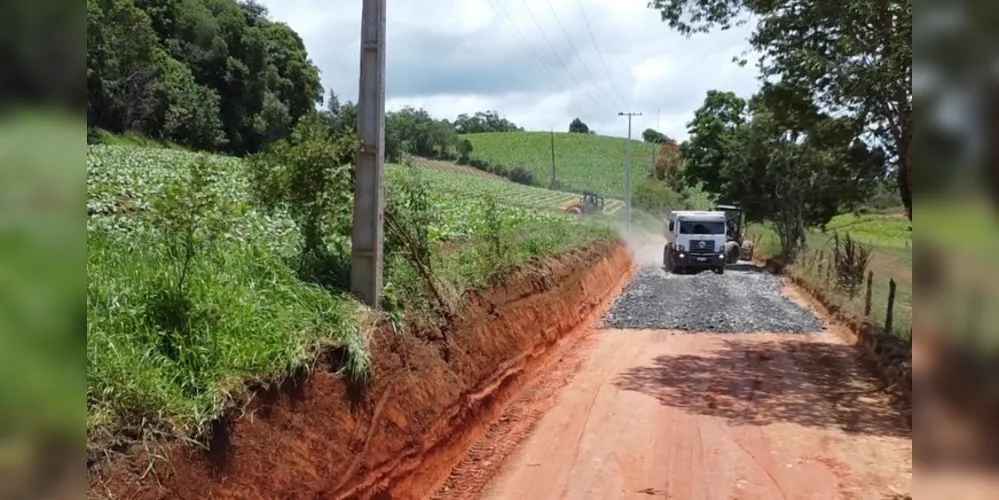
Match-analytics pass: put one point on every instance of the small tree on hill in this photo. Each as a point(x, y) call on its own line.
point(464, 151)
point(578, 127)
point(654, 136)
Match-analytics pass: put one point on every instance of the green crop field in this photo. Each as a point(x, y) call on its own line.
point(452, 167)
point(250, 316)
point(472, 185)
point(582, 161)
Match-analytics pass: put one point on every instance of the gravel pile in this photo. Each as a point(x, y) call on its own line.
point(739, 301)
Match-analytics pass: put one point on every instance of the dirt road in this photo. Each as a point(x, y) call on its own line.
point(666, 413)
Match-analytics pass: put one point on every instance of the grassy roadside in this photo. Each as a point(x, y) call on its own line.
point(171, 341)
point(890, 242)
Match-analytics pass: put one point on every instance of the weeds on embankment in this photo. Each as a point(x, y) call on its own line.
point(208, 272)
point(852, 251)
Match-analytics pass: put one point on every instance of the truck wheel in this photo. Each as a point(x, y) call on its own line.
point(720, 270)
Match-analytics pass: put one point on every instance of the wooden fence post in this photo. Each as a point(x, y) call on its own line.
point(890, 315)
point(867, 299)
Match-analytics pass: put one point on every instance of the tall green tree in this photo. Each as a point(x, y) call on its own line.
point(851, 57)
point(654, 136)
point(578, 127)
point(210, 74)
point(780, 167)
point(484, 121)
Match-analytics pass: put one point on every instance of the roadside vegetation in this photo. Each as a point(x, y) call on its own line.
point(885, 236)
point(207, 272)
point(819, 156)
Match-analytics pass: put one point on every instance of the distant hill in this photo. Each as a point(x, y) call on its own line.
point(583, 162)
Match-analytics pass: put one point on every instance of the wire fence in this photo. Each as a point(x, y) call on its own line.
point(885, 301)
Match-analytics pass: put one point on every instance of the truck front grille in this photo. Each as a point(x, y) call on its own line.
point(702, 246)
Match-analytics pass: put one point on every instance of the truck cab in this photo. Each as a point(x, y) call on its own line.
point(695, 240)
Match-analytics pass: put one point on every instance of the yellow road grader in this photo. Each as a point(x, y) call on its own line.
point(587, 203)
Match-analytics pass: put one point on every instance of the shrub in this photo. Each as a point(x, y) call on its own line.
point(521, 175)
point(850, 260)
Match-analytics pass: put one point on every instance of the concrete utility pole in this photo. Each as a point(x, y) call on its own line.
point(369, 196)
point(627, 169)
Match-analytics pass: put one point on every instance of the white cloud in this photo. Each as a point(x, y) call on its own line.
point(462, 56)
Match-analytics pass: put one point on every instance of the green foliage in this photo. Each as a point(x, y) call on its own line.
point(852, 58)
point(578, 127)
point(484, 121)
point(190, 216)
point(654, 136)
point(176, 361)
point(792, 168)
point(493, 245)
point(655, 197)
point(207, 74)
point(464, 151)
point(310, 174)
point(851, 261)
point(411, 240)
point(246, 316)
point(423, 134)
point(890, 244)
point(583, 161)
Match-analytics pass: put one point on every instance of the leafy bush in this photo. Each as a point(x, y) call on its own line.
point(176, 361)
point(851, 260)
point(655, 197)
point(520, 175)
point(311, 174)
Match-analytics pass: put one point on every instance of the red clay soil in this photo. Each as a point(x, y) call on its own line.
point(417, 420)
point(667, 414)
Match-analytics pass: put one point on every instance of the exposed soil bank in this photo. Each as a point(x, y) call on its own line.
point(418, 418)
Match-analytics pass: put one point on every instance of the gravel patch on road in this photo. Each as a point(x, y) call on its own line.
point(742, 300)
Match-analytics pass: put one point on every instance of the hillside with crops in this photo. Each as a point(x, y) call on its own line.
point(582, 161)
point(236, 271)
point(466, 181)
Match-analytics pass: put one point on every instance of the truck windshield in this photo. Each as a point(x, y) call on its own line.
point(702, 227)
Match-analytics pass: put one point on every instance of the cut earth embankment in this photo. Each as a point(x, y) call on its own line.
point(425, 407)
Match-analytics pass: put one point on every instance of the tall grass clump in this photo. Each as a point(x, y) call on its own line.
point(181, 312)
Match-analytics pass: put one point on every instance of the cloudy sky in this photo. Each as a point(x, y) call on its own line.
point(455, 56)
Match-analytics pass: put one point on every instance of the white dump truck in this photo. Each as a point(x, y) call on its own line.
point(695, 240)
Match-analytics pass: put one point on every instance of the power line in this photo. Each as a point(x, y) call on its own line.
point(576, 51)
point(559, 59)
point(610, 76)
point(498, 6)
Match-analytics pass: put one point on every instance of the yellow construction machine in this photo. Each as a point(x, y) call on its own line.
point(586, 204)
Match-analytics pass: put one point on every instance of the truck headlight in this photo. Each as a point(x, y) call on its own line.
point(681, 255)
point(721, 256)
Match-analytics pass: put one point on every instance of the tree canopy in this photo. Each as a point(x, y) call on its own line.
point(578, 127)
point(780, 160)
point(848, 57)
point(484, 121)
point(218, 75)
point(654, 136)
point(209, 74)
